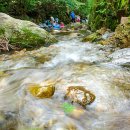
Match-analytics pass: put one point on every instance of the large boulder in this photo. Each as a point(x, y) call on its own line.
point(23, 34)
point(121, 37)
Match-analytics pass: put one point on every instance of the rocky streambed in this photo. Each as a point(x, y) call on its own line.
point(102, 70)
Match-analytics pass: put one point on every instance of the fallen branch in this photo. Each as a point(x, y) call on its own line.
point(13, 47)
point(4, 44)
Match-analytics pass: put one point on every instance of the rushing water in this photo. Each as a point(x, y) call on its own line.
point(68, 63)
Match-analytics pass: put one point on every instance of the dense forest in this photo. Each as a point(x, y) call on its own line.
point(99, 12)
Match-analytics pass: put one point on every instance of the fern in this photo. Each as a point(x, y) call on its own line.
point(90, 4)
point(72, 3)
point(124, 3)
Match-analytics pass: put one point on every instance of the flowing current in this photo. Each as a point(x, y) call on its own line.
point(100, 69)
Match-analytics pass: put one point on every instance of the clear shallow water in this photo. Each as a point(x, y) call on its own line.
point(68, 63)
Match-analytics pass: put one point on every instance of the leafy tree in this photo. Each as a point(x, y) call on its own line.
point(105, 12)
point(100, 12)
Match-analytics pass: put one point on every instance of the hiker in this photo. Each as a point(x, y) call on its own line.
point(72, 15)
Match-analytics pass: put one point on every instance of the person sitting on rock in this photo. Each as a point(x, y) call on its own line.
point(62, 25)
point(78, 19)
point(52, 20)
point(57, 20)
point(48, 23)
point(56, 26)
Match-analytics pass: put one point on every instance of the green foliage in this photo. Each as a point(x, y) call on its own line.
point(3, 6)
point(40, 10)
point(2, 31)
point(105, 12)
point(89, 5)
point(72, 4)
point(123, 3)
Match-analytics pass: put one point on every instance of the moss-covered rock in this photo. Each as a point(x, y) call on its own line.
point(121, 37)
point(23, 34)
point(43, 58)
point(96, 36)
point(85, 32)
point(92, 37)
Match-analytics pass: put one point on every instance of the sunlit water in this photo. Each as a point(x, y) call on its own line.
point(70, 63)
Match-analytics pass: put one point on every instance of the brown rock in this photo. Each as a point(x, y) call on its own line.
point(120, 38)
point(80, 95)
point(42, 91)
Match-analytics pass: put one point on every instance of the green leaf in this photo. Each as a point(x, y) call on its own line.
point(68, 108)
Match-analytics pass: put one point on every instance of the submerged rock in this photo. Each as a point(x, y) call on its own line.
point(8, 121)
point(42, 58)
point(70, 127)
point(78, 94)
point(3, 74)
point(124, 86)
point(40, 91)
point(23, 33)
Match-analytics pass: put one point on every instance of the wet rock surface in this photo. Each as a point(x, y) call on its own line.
point(80, 95)
point(121, 57)
point(42, 91)
point(120, 38)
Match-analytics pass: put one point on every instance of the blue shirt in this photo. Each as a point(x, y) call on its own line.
point(72, 15)
point(56, 27)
